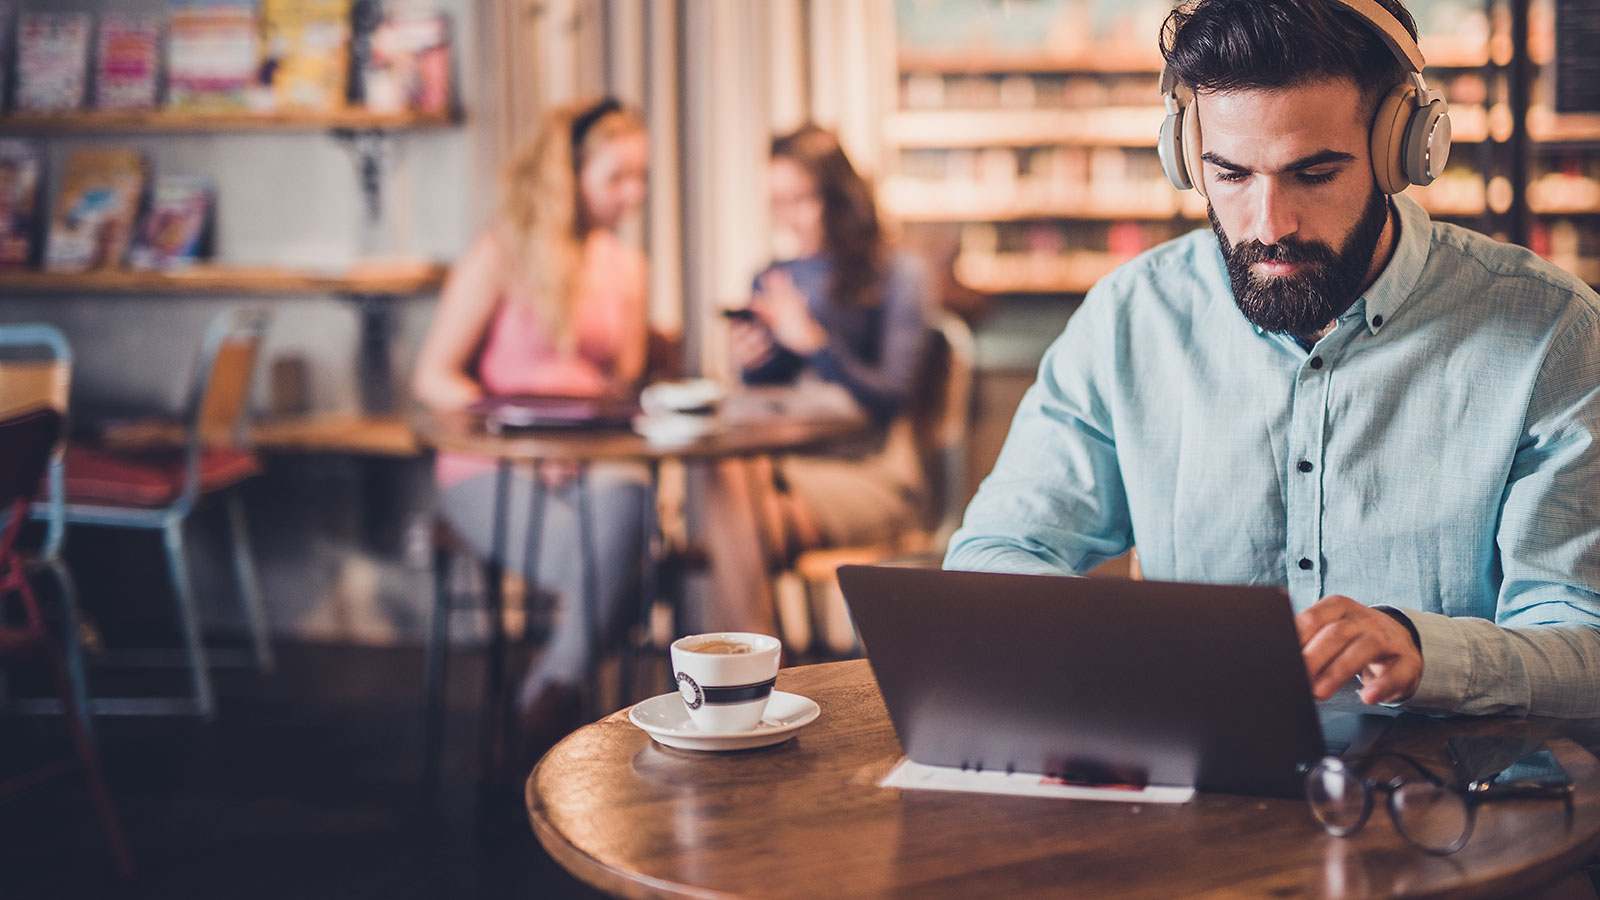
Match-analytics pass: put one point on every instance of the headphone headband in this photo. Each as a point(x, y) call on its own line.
point(1410, 134)
point(586, 120)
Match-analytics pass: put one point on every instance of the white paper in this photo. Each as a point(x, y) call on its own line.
point(917, 776)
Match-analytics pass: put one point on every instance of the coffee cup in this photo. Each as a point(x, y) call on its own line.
point(725, 678)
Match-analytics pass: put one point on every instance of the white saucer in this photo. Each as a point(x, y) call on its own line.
point(666, 719)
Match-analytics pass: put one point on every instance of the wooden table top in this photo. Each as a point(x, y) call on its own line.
point(806, 819)
point(782, 428)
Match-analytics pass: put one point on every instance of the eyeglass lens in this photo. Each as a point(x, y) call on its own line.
point(1431, 816)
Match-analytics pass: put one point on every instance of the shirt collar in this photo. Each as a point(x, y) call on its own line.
point(1399, 278)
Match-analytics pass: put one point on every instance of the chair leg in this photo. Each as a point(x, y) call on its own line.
point(188, 618)
point(435, 669)
point(75, 716)
point(73, 643)
point(244, 570)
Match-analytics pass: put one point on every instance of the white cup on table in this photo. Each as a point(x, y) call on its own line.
point(725, 678)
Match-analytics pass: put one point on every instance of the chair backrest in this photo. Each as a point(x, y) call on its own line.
point(219, 399)
point(36, 374)
point(941, 415)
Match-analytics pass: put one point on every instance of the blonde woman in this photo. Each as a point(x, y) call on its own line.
point(548, 300)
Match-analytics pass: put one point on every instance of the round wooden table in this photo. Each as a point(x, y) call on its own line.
point(754, 421)
point(807, 819)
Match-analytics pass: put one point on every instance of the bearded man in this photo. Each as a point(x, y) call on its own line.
point(1393, 418)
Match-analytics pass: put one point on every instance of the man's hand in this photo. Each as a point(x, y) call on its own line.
point(1340, 638)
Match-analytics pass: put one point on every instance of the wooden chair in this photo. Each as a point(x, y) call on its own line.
point(28, 442)
point(941, 417)
point(154, 485)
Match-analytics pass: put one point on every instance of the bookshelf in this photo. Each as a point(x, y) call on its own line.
point(1032, 134)
point(375, 280)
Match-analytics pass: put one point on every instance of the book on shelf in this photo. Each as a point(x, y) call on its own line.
point(127, 62)
point(95, 209)
point(19, 203)
point(213, 56)
point(8, 17)
point(409, 64)
point(172, 233)
point(307, 53)
point(52, 61)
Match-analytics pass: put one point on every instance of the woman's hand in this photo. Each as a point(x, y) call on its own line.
point(784, 310)
point(749, 343)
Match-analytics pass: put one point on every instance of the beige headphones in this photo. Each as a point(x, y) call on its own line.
point(1410, 133)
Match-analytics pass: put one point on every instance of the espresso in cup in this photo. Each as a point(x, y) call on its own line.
point(718, 645)
point(725, 678)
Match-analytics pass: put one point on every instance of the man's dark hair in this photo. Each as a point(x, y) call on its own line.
point(1230, 45)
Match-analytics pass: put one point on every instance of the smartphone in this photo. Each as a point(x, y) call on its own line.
point(1500, 766)
point(739, 314)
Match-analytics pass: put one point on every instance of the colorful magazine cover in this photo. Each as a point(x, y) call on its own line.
point(95, 209)
point(410, 65)
point(19, 203)
point(172, 234)
point(8, 17)
point(213, 55)
point(52, 60)
point(128, 60)
point(307, 50)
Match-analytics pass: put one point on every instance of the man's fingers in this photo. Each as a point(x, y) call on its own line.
point(1340, 652)
point(1329, 609)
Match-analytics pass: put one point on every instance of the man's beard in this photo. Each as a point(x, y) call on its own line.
point(1326, 285)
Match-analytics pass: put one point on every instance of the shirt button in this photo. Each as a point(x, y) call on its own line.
point(1305, 465)
point(1377, 321)
point(1305, 563)
point(1316, 362)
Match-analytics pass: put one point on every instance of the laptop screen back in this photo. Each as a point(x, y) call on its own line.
point(1090, 679)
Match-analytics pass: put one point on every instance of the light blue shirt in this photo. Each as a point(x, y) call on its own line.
point(1434, 452)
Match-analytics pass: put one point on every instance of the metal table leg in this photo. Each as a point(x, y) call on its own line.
point(591, 591)
point(492, 752)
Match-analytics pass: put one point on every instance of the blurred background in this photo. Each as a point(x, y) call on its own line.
point(329, 159)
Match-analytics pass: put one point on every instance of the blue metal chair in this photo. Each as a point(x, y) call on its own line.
point(155, 488)
point(36, 373)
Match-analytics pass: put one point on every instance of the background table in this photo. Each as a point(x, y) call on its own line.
point(758, 421)
point(806, 819)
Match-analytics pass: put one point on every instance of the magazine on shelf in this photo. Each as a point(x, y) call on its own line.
point(19, 203)
point(172, 233)
point(307, 52)
point(213, 55)
point(95, 209)
point(409, 64)
point(8, 18)
point(52, 60)
point(127, 61)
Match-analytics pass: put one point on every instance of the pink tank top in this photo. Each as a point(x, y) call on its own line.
point(519, 357)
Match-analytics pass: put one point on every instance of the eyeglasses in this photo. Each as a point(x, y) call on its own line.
point(1434, 816)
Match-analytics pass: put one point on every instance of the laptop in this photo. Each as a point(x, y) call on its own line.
point(546, 411)
point(1100, 681)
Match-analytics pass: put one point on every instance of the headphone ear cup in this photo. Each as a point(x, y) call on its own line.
point(1192, 151)
point(1388, 138)
point(1171, 154)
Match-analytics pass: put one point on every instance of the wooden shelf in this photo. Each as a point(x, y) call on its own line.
point(1109, 126)
point(1023, 273)
point(1112, 126)
point(994, 61)
point(909, 206)
point(410, 278)
point(1547, 127)
point(97, 122)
